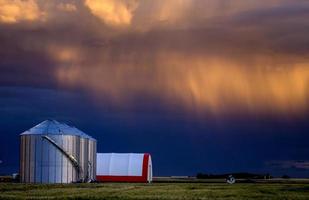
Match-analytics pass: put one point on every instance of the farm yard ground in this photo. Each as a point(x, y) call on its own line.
point(164, 190)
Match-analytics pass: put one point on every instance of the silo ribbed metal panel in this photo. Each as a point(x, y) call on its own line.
point(42, 162)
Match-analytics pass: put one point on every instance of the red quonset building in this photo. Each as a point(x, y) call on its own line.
point(124, 167)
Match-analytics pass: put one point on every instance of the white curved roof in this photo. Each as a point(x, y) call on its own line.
point(120, 164)
point(53, 127)
point(128, 167)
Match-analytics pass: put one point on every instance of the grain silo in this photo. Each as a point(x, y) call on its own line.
point(53, 152)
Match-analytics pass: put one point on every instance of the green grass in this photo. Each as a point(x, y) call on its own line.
point(279, 191)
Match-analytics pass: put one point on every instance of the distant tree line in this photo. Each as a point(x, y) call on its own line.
point(235, 175)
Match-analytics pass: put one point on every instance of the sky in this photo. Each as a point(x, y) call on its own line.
point(212, 86)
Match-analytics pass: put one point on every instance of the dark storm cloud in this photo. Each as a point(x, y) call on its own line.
point(145, 48)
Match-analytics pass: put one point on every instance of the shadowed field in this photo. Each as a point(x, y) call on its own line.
point(238, 191)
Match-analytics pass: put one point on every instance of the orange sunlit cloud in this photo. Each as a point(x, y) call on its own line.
point(12, 11)
point(113, 12)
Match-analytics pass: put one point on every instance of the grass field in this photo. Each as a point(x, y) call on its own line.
point(279, 191)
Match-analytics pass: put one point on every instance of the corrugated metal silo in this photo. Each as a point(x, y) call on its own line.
point(53, 152)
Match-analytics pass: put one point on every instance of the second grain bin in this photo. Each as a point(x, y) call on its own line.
point(53, 152)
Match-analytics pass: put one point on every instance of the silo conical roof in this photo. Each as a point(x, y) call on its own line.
point(53, 127)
